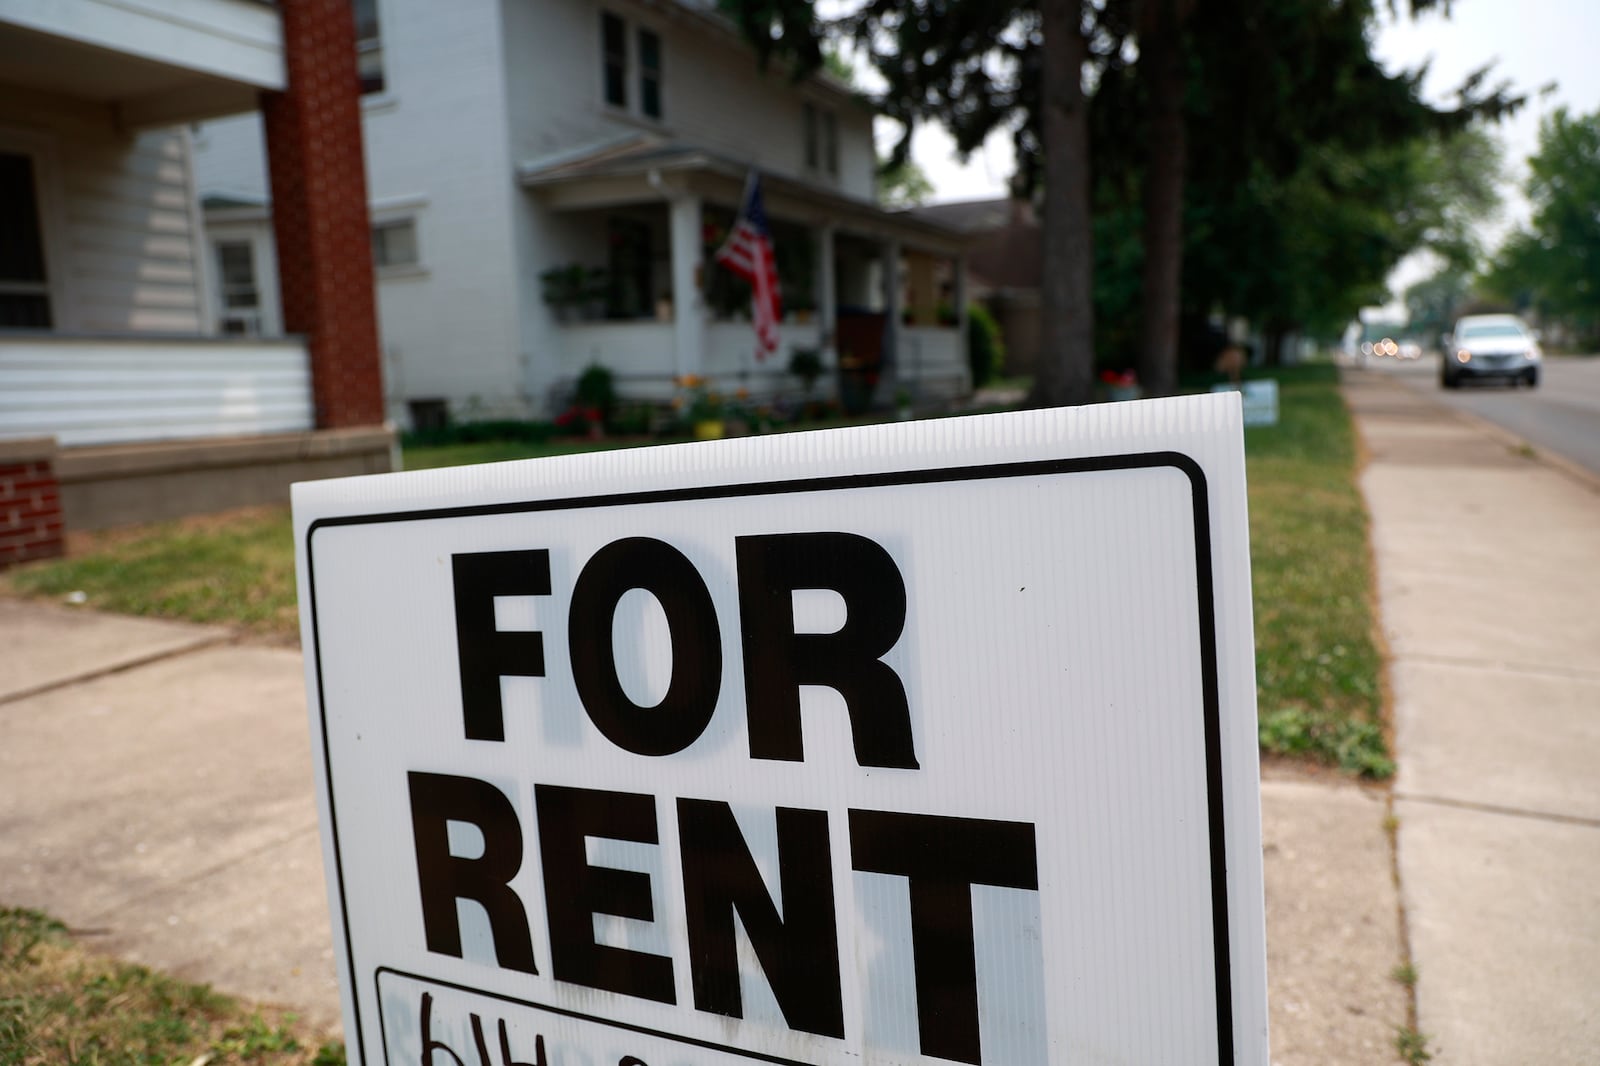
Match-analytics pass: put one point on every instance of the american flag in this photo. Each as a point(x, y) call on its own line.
point(748, 253)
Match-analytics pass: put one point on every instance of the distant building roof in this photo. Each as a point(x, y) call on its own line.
point(1006, 250)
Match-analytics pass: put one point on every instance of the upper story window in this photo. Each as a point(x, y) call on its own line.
point(614, 49)
point(821, 139)
point(650, 73)
point(369, 47)
point(631, 77)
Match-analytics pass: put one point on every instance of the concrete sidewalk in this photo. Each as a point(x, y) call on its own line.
point(158, 799)
point(157, 782)
point(1488, 565)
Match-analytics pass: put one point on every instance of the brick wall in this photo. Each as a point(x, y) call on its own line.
point(30, 503)
point(319, 211)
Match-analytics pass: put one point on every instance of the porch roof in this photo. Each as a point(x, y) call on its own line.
point(156, 62)
point(644, 169)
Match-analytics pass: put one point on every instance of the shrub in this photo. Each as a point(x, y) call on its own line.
point(596, 390)
point(986, 351)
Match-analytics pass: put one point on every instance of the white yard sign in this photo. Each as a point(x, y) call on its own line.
point(932, 742)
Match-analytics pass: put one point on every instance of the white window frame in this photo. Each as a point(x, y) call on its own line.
point(252, 318)
point(373, 46)
point(633, 71)
point(49, 196)
point(392, 215)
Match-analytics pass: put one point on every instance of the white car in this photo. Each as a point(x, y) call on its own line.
point(1490, 346)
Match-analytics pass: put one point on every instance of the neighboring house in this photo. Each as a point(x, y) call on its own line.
point(548, 182)
point(1004, 260)
point(124, 393)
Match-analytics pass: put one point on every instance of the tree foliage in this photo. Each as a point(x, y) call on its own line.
point(1303, 170)
point(1554, 264)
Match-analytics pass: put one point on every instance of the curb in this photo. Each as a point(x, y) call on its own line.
point(1561, 464)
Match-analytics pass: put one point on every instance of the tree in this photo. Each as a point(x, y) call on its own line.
point(1162, 65)
point(1554, 264)
point(1433, 303)
point(903, 184)
point(1232, 121)
point(978, 67)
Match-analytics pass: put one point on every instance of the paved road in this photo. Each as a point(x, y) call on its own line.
point(1562, 415)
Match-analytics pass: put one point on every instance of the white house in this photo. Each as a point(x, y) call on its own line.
point(511, 141)
point(116, 372)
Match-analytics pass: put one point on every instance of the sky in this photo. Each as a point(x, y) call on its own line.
point(1534, 43)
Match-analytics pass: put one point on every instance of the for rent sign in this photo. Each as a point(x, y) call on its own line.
point(931, 742)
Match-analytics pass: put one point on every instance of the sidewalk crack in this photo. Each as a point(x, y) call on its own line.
point(117, 668)
point(1495, 808)
point(1566, 673)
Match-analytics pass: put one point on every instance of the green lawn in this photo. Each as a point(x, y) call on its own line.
point(235, 568)
point(61, 1005)
point(1316, 662)
point(1317, 665)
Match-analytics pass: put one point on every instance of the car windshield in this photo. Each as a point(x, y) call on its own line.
point(1481, 332)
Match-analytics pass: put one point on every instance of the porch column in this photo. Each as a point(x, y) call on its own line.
point(891, 326)
point(688, 305)
point(319, 211)
point(958, 296)
point(827, 295)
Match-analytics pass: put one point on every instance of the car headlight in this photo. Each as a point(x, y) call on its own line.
point(1463, 356)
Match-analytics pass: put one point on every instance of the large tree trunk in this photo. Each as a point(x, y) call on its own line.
point(1065, 372)
point(1161, 64)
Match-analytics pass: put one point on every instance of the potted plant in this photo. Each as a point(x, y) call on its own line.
point(902, 405)
point(1121, 384)
point(596, 391)
point(703, 408)
point(806, 364)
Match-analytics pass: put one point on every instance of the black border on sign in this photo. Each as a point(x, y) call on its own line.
point(1205, 596)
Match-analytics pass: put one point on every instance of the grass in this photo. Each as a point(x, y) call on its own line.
point(64, 1006)
point(1317, 666)
point(236, 568)
point(1412, 1046)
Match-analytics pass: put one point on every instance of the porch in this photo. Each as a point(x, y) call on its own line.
point(875, 294)
point(110, 309)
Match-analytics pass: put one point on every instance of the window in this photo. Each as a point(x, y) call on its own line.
point(369, 47)
point(622, 69)
point(614, 45)
point(24, 289)
point(241, 298)
point(394, 244)
point(812, 153)
point(629, 269)
point(650, 73)
point(821, 139)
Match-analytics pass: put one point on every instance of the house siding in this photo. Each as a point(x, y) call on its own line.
point(713, 95)
point(435, 153)
point(121, 239)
